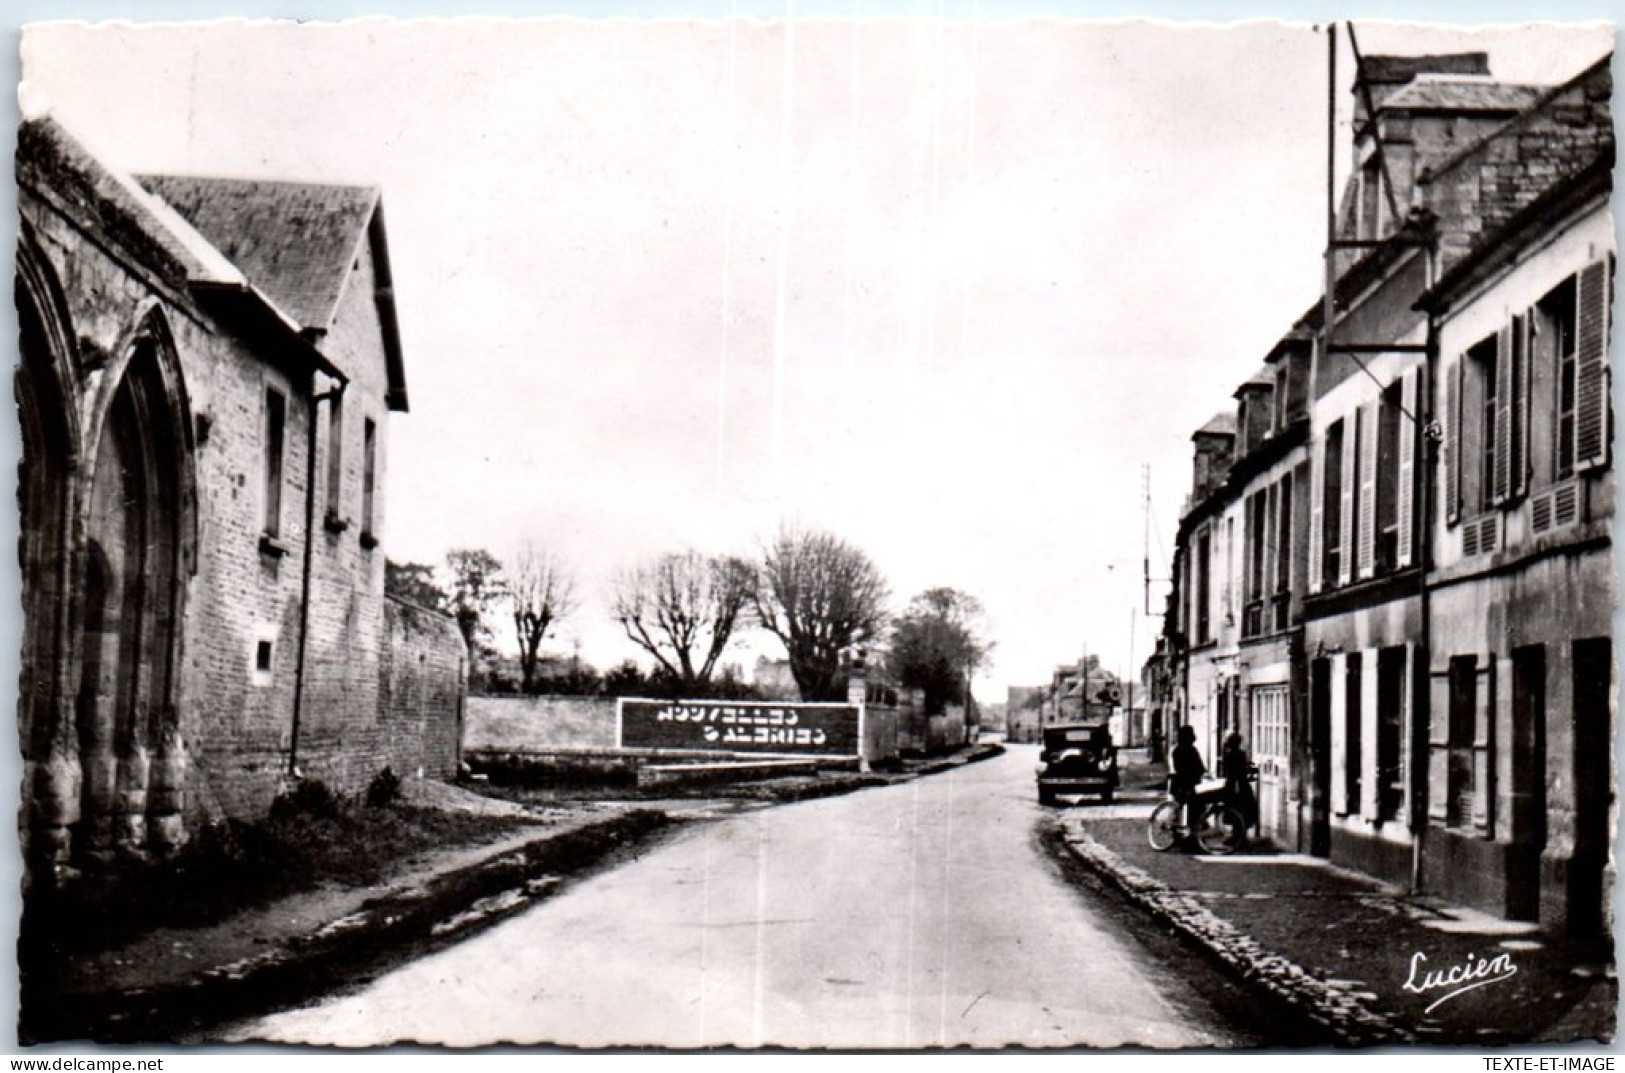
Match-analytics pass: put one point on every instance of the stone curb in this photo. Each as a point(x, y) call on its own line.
point(443, 907)
point(977, 753)
point(1346, 1015)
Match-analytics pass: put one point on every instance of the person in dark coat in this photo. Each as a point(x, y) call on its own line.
point(1187, 770)
point(1236, 768)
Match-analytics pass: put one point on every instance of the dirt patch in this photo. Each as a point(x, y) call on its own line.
point(176, 984)
point(233, 865)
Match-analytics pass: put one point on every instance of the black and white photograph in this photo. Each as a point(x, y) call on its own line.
point(809, 528)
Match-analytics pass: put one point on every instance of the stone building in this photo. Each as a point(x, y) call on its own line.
point(207, 372)
point(1448, 668)
point(1522, 573)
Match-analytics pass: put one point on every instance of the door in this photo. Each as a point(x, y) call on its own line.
point(1320, 757)
point(1528, 804)
point(1593, 790)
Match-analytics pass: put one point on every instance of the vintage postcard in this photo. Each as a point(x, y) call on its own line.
point(772, 529)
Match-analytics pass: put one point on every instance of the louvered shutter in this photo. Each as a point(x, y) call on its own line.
point(1317, 497)
point(1591, 372)
point(1501, 468)
point(1410, 421)
point(1345, 537)
point(1366, 509)
point(1518, 449)
point(1452, 442)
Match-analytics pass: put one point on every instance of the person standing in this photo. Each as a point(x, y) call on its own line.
point(1187, 770)
point(1237, 770)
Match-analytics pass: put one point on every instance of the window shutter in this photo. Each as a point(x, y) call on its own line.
point(1522, 344)
point(1317, 497)
point(1501, 470)
point(1366, 522)
point(1409, 426)
point(1345, 543)
point(1452, 442)
point(1591, 372)
point(1482, 743)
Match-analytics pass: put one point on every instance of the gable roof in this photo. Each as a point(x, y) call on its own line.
point(1222, 423)
point(54, 166)
point(296, 242)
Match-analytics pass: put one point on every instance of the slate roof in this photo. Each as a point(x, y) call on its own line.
point(1462, 95)
point(296, 241)
point(1263, 378)
point(1222, 423)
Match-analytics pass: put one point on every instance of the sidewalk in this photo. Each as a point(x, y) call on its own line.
point(1341, 947)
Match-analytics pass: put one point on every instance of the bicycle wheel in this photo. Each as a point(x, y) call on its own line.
point(1221, 830)
point(1163, 828)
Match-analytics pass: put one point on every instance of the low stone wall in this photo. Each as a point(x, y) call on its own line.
point(535, 724)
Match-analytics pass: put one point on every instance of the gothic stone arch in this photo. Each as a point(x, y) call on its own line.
point(107, 536)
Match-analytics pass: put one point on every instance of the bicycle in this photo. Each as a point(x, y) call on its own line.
point(1220, 828)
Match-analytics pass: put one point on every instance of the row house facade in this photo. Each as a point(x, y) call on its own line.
point(1399, 591)
point(207, 369)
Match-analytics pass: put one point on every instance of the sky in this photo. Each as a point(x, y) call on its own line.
point(956, 290)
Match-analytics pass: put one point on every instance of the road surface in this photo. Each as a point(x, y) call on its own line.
point(923, 914)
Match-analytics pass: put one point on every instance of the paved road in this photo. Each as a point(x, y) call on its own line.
point(917, 915)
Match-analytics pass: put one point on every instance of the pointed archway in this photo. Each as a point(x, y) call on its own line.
point(134, 511)
point(48, 413)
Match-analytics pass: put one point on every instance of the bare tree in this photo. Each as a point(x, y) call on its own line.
point(540, 592)
point(683, 609)
point(820, 596)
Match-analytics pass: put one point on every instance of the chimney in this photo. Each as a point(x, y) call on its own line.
point(1214, 445)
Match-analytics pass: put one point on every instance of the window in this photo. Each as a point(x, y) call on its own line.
point(335, 455)
point(1390, 723)
point(369, 478)
point(1554, 349)
point(1257, 556)
point(1278, 419)
point(1283, 553)
point(1272, 741)
point(1268, 558)
point(276, 412)
point(1370, 225)
point(263, 660)
point(1466, 799)
point(1570, 349)
point(1332, 505)
point(1386, 505)
point(1531, 401)
point(1475, 387)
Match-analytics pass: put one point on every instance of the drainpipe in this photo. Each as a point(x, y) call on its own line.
point(1422, 691)
point(316, 400)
